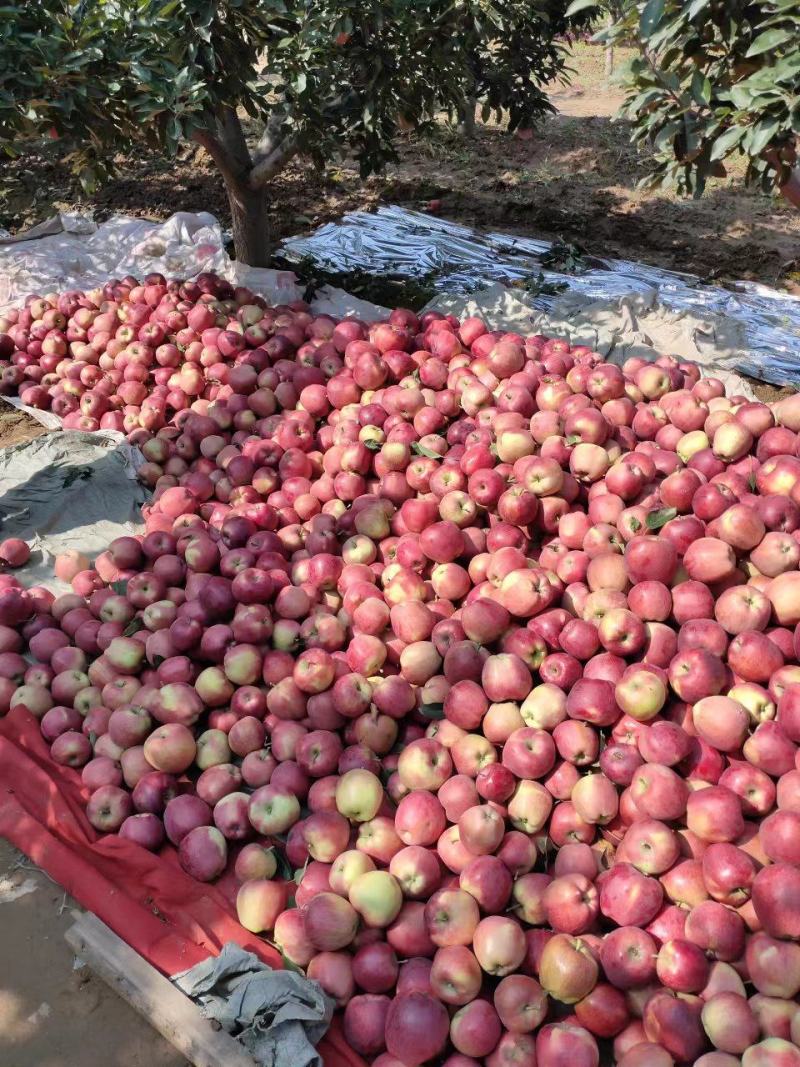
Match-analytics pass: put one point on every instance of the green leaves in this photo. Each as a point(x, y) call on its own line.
point(660, 517)
point(701, 88)
point(711, 79)
point(651, 16)
point(766, 42)
point(423, 450)
point(577, 6)
point(433, 712)
point(340, 74)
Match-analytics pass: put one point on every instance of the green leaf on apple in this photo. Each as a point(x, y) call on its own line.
point(432, 711)
point(422, 450)
point(134, 626)
point(287, 963)
point(298, 874)
point(120, 588)
point(285, 871)
point(372, 445)
point(660, 517)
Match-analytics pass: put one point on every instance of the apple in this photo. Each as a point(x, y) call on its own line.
point(203, 853)
point(567, 969)
point(571, 903)
point(451, 917)
point(628, 957)
point(563, 1042)
point(255, 862)
point(108, 808)
point(273, 810)
point(773, 966)
point(456, 975)
point(682, 966)
point(377, 897)
point(259, 902)
point(330, 921)
point(475, 1029)
point(775, 893)
point(364, 1023)
point(417, 1028)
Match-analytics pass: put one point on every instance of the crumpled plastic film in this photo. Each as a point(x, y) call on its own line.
point(69, 490)
point(70, 251)
point(764, 323)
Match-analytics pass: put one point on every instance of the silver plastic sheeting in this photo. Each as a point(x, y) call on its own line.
point(407, 243)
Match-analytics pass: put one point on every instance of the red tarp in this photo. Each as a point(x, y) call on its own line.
point(169, 918)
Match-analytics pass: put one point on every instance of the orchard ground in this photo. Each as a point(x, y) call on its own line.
point(53, 1014)
point(575, 178)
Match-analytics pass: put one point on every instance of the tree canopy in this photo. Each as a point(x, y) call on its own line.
point(315, 77)
point(713, 79)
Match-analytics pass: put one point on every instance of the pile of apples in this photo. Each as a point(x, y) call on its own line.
point(473, 659)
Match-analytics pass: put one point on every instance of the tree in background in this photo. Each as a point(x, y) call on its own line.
point(315, 77)
point(713, 79)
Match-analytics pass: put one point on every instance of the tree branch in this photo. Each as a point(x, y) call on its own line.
point(232, 136)
point(224, 141)
point(268, 140)
point(272, 154)
point(270, 165)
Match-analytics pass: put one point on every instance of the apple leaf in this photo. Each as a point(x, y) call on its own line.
point(580, 5)
point(423, 450)
point(120, 588)
point(298, 874)
point(660, 517)
point(372, 445)
point(432, 711)
point(285, 871)
point(287, 963)
point(134, 626)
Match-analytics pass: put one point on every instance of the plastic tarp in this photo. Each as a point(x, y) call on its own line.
point(169, 918)
point(70, 251)
point(68, 490)
point(747, 327)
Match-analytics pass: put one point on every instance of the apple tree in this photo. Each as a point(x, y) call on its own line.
point(258, 82)
point(712, 80)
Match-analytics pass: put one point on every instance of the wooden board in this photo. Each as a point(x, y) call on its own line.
point(167, 1010)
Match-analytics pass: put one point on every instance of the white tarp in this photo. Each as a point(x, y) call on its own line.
point(69, 490)
point(634, 325)
point(72, 252)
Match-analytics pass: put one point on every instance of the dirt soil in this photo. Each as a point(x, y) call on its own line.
point(17, 426)
point(54, 1012)
point(574, 178)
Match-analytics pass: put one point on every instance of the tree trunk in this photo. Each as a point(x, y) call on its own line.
point(250, 225)
point(791, 190)
point(609, 60)
point(466, 117)
point(609, 49)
